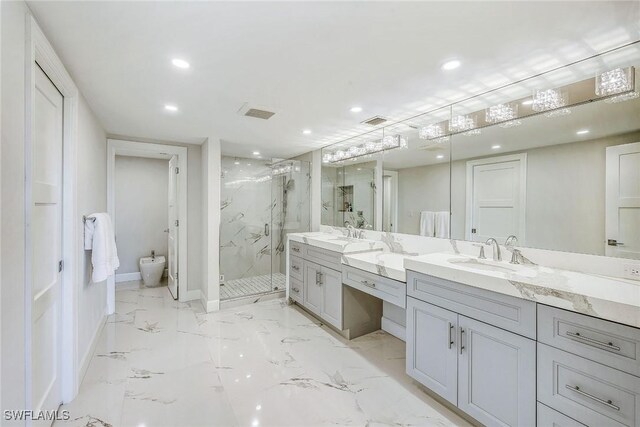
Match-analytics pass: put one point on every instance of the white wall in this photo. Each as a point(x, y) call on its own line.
point(141, 215)
point(12, 194)
point(92, 197)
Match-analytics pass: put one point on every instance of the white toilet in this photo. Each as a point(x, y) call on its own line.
point(151, 269)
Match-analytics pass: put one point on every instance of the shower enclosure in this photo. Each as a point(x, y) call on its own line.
point(261, 201)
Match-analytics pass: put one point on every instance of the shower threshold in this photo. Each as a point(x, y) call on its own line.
point(249, 286)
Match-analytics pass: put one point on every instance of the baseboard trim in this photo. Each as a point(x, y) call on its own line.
point(395, 329)
point(86, 358)
point(191, 295)
point(127, 277)
point(209, 306)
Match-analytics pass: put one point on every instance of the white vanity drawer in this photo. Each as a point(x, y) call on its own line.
point(323, 257)
point(504, 311)
point(587, 391)
point(548, 417)
point(296, 290)
point(386, 289)
point(296, 248)
point(606, 342)
point(295, 268)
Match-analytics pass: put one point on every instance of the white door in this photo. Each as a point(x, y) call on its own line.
point(496, 196)
point(173, 226)
point(623, 201)
point(46, 244)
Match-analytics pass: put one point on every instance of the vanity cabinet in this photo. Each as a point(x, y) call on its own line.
point(485, 370)
point(489, 373)
point(323, 293)
point(314, 285)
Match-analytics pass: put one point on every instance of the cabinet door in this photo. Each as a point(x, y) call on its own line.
point(331, 283)
point(497, 375)
point(432, 347)
point(312, 288)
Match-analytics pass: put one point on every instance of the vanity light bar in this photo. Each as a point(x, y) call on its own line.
point(389, 142)
point(505, 115)
point(553, 101)
point(620, 82)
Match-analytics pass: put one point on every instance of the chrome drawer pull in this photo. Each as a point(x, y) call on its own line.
point(296, 249)
point(295, 267)
point(592, 397)
point(369, 284)
point(577, 336)
point(461, 340)
point(296, 290)
point(450, 337)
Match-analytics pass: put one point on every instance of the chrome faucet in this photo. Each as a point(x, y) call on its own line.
point(497, 256)
point(511, 241)
point(350, 228)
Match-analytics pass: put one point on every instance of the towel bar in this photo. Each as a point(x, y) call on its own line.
point(84, 218)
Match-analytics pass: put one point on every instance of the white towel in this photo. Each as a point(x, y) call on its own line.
point(427, 223)
point(100, 238)
point(442, 224)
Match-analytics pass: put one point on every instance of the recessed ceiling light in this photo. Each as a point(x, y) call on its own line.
point(356, 109)
point(495, 147)
point(527, 102)
point(440, 156)
point(248, 164)
point(256, 153)
point(180, 63)
point(582, 132)
point(236, 163)
point(451, 65)
point(306, 131)
point(170, 107)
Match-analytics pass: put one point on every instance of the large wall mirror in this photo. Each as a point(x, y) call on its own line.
point(553, 160)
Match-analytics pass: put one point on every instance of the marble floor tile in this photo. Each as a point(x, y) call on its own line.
point(159, 362)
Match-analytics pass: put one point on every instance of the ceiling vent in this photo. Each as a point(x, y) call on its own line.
point(258, 113)
point(374, 121)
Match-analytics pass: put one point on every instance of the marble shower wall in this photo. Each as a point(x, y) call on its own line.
point(246, 204)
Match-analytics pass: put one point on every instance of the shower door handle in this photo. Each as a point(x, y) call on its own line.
point(266, 229)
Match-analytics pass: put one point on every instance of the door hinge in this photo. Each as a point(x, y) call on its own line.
point(177, 170)
point(177, 223)
point(60, 266)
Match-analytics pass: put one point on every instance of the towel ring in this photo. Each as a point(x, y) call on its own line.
point(84, 219)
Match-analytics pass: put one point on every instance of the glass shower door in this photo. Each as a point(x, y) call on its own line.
point(291, 192)
point(245, 227)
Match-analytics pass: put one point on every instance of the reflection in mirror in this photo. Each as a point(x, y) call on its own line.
point(565, 178)
point(349, 183)
point(416, 180)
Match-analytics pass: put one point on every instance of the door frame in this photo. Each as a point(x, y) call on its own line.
point(522, 158)
point(120, 147)
point(39, 52)
point(393, 175)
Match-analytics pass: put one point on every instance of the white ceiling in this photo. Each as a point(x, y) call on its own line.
point(308, 61)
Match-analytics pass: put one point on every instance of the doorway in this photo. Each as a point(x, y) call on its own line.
point(623, 201)
point(167, 167)
point(496, 198)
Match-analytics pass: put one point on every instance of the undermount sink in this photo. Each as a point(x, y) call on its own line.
point(341, 244)
point(484, 265)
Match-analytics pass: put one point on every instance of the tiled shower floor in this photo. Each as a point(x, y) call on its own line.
point(251, 285)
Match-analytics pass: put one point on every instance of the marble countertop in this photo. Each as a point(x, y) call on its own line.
point(336, 243)
point(608, 298)
point(385, 264)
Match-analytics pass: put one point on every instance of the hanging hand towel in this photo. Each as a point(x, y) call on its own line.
point(442, 224)
point(104, 256)
point(427, 223)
